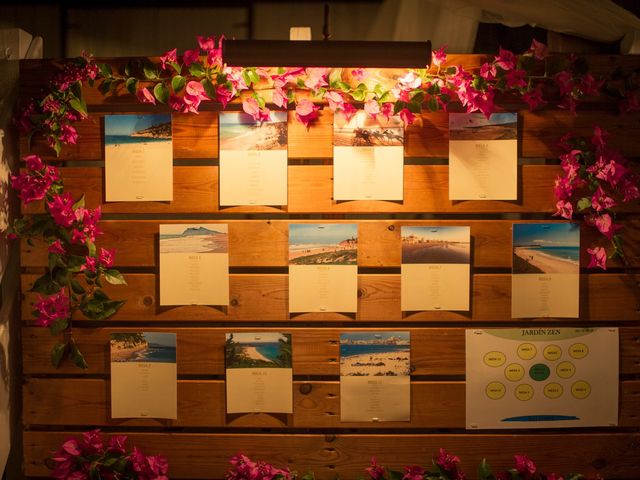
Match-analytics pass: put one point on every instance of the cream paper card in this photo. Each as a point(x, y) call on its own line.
point(194, 264)
point(253, 159)
point(368, 158)
point(138, 158)
point(143, 375)
point(323, 270)
point(546, 270)
point(535, 377)
point(375, 382)
point(483, 156)
point(259, 372)
point(435, 268)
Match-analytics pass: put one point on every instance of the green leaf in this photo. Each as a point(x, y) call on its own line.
point(398, 106)
point(395, 475)
point(91, 247)
point(176, 66)
point(77, 287)
point(178, 82)
point(62, 276)
point(484, 471)
point(209, 89)
point(79, 203)
point(417, 96)
point(150, 71)
point(114, 277)
point(161, 92)
point(105, 70)
point(584, 203)
point(433, 105)
point(100, 295)
point(53, 260)
point(76, 356)
point(344, 86)
point(57, 147)
point(57, 354)
point(45, 285)
point(358, 95)
point(104, 87)
point(59, 326)
point(132, 85)
point(196, 69)
point(335, 77)
point(451, 70)
point(74, 262)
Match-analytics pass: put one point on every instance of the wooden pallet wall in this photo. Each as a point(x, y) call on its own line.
point(58, 402)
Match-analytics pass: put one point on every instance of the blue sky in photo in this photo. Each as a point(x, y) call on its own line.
point(324, 233)
point(164, 339)
point(127, 124)
point(367, 336)
point(550, 234)
point(445, 234)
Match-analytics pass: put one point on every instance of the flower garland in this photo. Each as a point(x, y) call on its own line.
point(88, 457)
point(595, 179)
point(444, 467)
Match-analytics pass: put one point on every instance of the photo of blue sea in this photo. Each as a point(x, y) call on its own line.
point(351, 350)
point(143, 347)
point(546, 248)
point(132, 129)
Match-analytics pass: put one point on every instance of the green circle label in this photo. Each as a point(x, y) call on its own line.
point(539, 372)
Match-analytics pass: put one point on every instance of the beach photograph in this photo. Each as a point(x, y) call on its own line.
point(546, 248)
point(239, 131)
point(475, 126)
point(123, 132)
point(364, 131)
point(374, 354)
point(258, 350)
point(207, 238)
point(436, 244)
point(323, 244)
point(143, 347)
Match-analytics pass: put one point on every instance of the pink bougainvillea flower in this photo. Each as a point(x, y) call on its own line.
point(92, 442)
point(629, 189)
point(488, 71)
point(589, 85)
point(538, 49)
point(107, 257)
point(176, 103)
point(34, 162)
point(597, 257)
point(169, 56)
point(563, 188)
point(609, 170)
point(89, 264)
point(386, 110)
point(570, 164)
point(52, 308)
point(251, 107)
point(50, 105)
point(191, 56)
point(438, 57)
point(207, 43)
point(334, 99)
point(316, 77)
point(599, 138)
point(525, 466)
point(56, 248)
point(604, 224)
point(564, 81)
point(516, 79)
point(117, 444)
point(348, 110)
point(214, 56)
point(407, 116)
point(506, 60)
point(279, 98)
point(68, 134)
point(194, 94)
point(372, 107)
point(533, 98)
point(447, 461)
point(223, 95)
point(410, 81)
point(72, 447)
point(413, 472)
point(145, 96)
point(306, 111)
point(359, 74)
point(289, 75)
point(375, 470)
point(564, 209)
point(61, 209)
point(601, 201)
point(554, 476)
point(77, 237)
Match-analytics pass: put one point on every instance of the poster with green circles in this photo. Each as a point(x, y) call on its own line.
point(541, 377)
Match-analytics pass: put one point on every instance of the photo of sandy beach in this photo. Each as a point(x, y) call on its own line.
point(323, 244)
point(475, 126)
point(123, 133)
point(364, 131)
point(436, 244)
point(239, 131)
point(205, 238)
point(374, 354)
point(546, 248)
point(143, 347)
point(258, 350)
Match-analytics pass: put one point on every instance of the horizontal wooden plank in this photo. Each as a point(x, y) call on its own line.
point(201, 403)
point(255, 297)
point(196, 136)
point(264, 243)
point(434, 351)
point(611, 455)
point(426, 187)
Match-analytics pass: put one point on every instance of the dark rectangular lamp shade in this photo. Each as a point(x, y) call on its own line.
point(286, 53)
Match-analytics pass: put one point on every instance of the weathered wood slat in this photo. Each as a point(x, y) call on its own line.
point(254, 297)
point(196, 136)
point(434, 351)
point(201, 403)
point(612, 455)
point(264, 243)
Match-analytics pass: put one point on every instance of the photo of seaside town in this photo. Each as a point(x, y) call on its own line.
point(546, 248)
point(258, 350)
point(323, 244)
point(436, 245)
point(374, 354)
point(143, 347)
point(122, 132)
point(475, 126)
point(364, 131)
point(207, 238)
point(239, 131)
